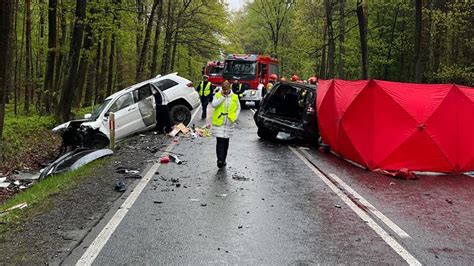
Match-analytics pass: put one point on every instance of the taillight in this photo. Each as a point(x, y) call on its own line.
point(310, 110)
point(190, 84)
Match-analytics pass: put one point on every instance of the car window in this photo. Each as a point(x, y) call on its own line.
point(165, 84)
point(122, 102)
point(142, 93)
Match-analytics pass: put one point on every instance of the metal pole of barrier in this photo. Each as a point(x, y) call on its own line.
point(112, 130)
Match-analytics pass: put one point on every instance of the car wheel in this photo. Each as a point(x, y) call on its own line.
point(180, 114)
point(265, 133)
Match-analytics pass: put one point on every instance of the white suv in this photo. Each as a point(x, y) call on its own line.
point(135, 109)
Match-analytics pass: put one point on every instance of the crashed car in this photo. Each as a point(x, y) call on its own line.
point(290, 108)
point(135, 110)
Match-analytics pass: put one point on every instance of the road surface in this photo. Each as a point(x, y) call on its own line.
point(281, 203)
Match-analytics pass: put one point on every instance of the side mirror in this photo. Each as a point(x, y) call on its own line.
point(87, 116)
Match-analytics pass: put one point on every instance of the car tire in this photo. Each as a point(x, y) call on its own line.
point(266, 134)
point(180, 114)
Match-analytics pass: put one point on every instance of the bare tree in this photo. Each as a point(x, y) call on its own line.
point(342, 29)
point(146, 42)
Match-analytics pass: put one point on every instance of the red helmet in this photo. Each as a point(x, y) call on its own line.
point(273, 77)
point(283, 79)
point(294, 78)
point(313, 80)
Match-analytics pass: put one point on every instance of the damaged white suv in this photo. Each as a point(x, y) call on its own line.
point(135, 111)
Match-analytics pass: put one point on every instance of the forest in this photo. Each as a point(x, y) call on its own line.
point(62, 57)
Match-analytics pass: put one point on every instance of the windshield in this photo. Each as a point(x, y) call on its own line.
point(214, 70)
point(98, 109)
point(238, 68)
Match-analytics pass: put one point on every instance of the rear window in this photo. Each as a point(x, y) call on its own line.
point(165, 84)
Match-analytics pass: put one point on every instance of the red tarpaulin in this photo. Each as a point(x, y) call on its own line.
point(390, 125)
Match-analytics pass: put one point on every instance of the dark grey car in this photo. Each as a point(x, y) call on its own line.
point(291, 108)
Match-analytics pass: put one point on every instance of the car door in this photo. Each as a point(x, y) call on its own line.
point(127, 116)
point(146, 104)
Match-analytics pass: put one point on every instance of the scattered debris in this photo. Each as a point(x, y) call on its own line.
point(337, 206)
point(174, 180)
point(178, 185)
point(19, 206)
point(24, 176)
point(203, 204)
point(4, 184)
point(221, 195)
point(392, 183)
point(175, 159)
point(165, 159)
point(158, 202)
point(449, 201)
point(178, 128)
point(240, 178)
point(120, 186)
point(194, 200)
point(402, 173)
point(240, 227)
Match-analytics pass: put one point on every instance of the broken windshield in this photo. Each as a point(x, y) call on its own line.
point(241, 69)
point(98, 109)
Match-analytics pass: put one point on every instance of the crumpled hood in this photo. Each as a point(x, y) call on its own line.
point(80, 122)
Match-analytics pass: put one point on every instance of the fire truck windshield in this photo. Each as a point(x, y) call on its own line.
point(214, 70)
point(242, 69)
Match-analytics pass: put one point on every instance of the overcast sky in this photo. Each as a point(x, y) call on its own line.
point(235, 4)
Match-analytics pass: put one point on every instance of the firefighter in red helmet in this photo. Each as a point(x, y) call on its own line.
point(294, 78)
point(313, 80)
point(272, 79)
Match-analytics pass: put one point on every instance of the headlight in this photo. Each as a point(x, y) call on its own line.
point(253, 93)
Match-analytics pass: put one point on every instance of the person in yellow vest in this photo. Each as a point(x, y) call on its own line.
point(238, 88)
point(205, 89)
point(226, 111)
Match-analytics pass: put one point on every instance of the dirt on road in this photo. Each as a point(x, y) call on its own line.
point(53, 231)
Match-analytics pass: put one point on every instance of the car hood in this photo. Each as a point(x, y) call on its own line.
point(82, 122)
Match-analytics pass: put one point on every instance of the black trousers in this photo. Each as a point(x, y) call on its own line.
point(221, 148)
point(204, 103)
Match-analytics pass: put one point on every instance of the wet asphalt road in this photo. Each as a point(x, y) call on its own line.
point(269, 207)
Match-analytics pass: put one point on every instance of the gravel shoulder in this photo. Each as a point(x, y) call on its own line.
point(49, 235)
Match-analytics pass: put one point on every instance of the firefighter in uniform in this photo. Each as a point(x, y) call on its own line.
point(226, 110)
point(271, 82)
point(238, 89)
point(205, 90)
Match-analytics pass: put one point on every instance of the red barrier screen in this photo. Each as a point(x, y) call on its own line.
point(390, 125)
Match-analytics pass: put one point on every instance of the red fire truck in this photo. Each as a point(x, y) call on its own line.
point(252, 71)
point(213, 70)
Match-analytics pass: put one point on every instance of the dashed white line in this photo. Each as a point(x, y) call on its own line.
point(94, 249)
point(364, 216)
point(395, 228)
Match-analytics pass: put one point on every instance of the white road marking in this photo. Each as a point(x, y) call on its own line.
point(395, 228)
point(364, 216)
point(253, 111)
point(94, 249)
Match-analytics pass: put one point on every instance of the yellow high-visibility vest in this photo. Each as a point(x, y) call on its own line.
point(220, 112)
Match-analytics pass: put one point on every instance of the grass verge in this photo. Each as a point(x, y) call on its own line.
point(38, 197)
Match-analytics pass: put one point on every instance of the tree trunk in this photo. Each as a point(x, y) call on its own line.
point(60, 57)
point(146, 42)
point(139, 33)
point(110, 76)
point(362, 19)
point(28, 58)
point(418, 33)
point(104, 68)
point(342, 50)
point(84, 65)
point(89, 86)
point(154, 59)
point(331, 44)
point(63, 112)
point(322, 70)
point(175, 47)
point(51, 60)
point(18, 60)
point(6, 28)
point(392, 36)
point(165, 60)
point(98, 56)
